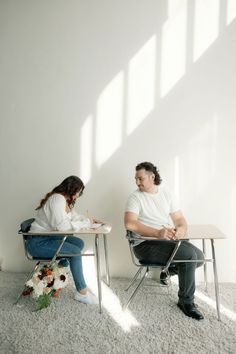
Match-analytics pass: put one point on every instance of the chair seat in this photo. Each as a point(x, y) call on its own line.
point(146, 264)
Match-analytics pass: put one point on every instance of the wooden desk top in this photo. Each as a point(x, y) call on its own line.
point(198, 232)
point(204, 232)
point(104, 229)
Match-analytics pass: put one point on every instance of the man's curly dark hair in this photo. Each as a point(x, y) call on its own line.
point(148, 166)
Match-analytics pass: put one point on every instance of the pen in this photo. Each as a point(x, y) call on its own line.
point(166, 227)
point(87, 213)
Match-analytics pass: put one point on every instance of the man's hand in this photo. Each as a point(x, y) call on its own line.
point(180, 233)
point(168, 234)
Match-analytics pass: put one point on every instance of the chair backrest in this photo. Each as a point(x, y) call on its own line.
point(131, 240)
point(130, 236)
point(25, 227)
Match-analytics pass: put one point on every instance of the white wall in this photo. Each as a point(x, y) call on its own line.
point(94, 87)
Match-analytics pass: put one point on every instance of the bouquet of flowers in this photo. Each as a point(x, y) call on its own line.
point(46, 283)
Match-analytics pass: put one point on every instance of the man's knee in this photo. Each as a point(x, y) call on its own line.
point(200, 258)
point(194, 254)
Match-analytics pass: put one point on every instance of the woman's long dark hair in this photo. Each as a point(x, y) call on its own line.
point(69, 187)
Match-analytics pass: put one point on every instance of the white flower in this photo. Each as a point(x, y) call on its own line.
point(59, 270)
point(38, 289)
point(59, 284)
point(30, 283)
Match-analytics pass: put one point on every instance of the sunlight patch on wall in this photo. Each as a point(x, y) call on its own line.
point(231, 11)
point(86, 144)
point(141, 85)
point(206, 25)
point(200, 158)
point(173, 52)
point(109, 119)
point(176, 177)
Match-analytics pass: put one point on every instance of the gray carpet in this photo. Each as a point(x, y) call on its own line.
point(153, 323)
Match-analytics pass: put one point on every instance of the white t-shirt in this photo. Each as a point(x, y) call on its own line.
point(153, 209)
point(53, 217)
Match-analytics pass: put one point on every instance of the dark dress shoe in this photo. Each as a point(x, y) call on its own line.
point(164, 279)
point(191, 310)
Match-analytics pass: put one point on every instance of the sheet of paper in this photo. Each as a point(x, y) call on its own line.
point(96, 225)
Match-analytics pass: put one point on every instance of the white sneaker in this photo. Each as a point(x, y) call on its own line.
point(88, 299)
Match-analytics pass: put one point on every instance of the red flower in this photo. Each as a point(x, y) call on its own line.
point(56, 293)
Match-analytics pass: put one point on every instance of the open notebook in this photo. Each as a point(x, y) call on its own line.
point(96, 225)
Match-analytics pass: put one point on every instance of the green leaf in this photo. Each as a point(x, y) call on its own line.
point(43, 301)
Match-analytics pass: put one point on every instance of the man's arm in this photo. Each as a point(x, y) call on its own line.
point(132, 224)
point(180, 224)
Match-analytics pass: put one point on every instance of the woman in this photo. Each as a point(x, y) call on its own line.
point(55, 212)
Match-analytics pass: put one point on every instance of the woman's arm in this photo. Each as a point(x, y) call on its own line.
point(60, 219)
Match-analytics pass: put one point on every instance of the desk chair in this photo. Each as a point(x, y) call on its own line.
point(24, 231)
point(146, 266)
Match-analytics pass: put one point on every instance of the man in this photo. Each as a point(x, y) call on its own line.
point(151, 211)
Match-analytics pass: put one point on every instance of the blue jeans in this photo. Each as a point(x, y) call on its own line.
point(46, 246)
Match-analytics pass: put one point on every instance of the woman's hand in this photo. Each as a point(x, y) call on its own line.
point(96, 221)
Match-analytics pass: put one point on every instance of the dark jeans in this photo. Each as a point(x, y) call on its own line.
point(159, 251)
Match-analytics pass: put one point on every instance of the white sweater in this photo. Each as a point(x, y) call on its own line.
point(53, 217)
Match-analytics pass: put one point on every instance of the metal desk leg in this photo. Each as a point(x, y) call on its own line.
point(215, 280)
point(106, 259)
point(98, 272)
point(205, 264)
